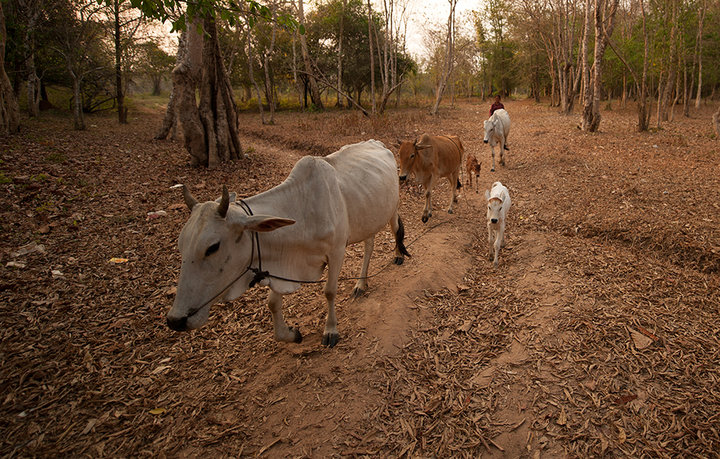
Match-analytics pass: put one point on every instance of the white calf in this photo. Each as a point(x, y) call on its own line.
point(498, 200)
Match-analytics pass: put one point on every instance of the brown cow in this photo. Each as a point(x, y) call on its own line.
point(430, 158)
point(472, 166)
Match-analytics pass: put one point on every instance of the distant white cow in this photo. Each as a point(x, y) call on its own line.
point(498, 200)
point(497, 129)
point(288, 234)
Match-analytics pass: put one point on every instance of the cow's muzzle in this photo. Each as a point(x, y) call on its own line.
point(403, 178)
point(177, 324)
point(485, 141)
point(494, 221)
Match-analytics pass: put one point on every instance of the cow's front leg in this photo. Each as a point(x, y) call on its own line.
point(330, 336)
point(491, 241)
point(427, 212)
point(496, 246)
point(502, 152)
point(361, 284)
point(282, 331)
point(492, 152)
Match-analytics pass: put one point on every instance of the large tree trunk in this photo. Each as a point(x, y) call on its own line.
point(314, 90)
point(9, 110)
point(210, 129)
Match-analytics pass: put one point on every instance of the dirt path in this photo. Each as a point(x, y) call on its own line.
point(595, 336)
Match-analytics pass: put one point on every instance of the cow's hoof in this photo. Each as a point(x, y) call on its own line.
point(330, 339)
point(357, 292)
point(450, 211)
point(399, 260)
point(424, 218)
point(298, 335)
point(492, 169)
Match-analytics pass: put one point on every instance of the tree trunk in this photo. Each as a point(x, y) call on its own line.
point(440, 89)
point(78, 117)
point(372, 60)
point(716, 123)
point(340, 53)
point(9, 110)
point(269, 85)
point(314, 91)
point(119, 95)
point(210, 129)
point(32, 11)
point(171, 118)
point(251, 75)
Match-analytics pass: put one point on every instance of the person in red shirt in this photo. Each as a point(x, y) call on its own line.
point(497, 105)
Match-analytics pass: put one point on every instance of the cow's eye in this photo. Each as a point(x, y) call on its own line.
point(412, 156)
point(212, 249)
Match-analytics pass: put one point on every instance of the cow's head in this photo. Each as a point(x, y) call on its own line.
point(216, 249)
point(489, 126)
point(409, 153)
point(494, 208)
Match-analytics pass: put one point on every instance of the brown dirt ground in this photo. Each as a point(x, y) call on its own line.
point(598, 335)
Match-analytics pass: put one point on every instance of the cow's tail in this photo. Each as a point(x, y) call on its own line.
point(400, 238)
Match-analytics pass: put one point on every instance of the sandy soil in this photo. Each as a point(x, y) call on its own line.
point(596, 336)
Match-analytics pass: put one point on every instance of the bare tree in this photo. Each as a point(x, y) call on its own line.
point(440, 88)
point(9, 110)
point(372, 58)
point(698, 48)
point(604, 24)
point(170, 120)
point(312, 81)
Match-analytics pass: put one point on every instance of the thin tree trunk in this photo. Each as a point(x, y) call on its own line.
point(119, 94)
point(372, 59)
point(32, 11)
point(338, 103)
point(79, 120)
point(701, 21)
point(716, 123)
point(9, 110)
point(314, 91)
point(251, 75)
point(448, 60)
point(170, 120)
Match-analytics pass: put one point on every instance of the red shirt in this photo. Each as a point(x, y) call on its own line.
point(496, 106)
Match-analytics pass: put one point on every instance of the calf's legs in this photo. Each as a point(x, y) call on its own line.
point(330, 336)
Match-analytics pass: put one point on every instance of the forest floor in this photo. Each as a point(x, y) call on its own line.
point(597, 335)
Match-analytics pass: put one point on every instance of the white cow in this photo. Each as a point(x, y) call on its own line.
point(288, 234)
point(497, 129)
point(498, 200)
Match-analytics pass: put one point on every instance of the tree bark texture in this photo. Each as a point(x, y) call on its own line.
point(591, 110)
point(9, 110)
point(210, 128)
point(170, 121)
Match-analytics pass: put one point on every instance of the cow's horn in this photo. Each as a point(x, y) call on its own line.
point(189, 198)
point(224, 202)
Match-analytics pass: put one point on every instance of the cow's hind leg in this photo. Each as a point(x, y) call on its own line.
point(282, 331)
point(361, 284)
point(330, 336)
point(399, 231)
point(502, 152)
point(492, 152)
point(453, 179)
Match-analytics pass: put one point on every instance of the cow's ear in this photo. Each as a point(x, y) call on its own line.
point(397, 143)
point(232, 196)
point(263, 223)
